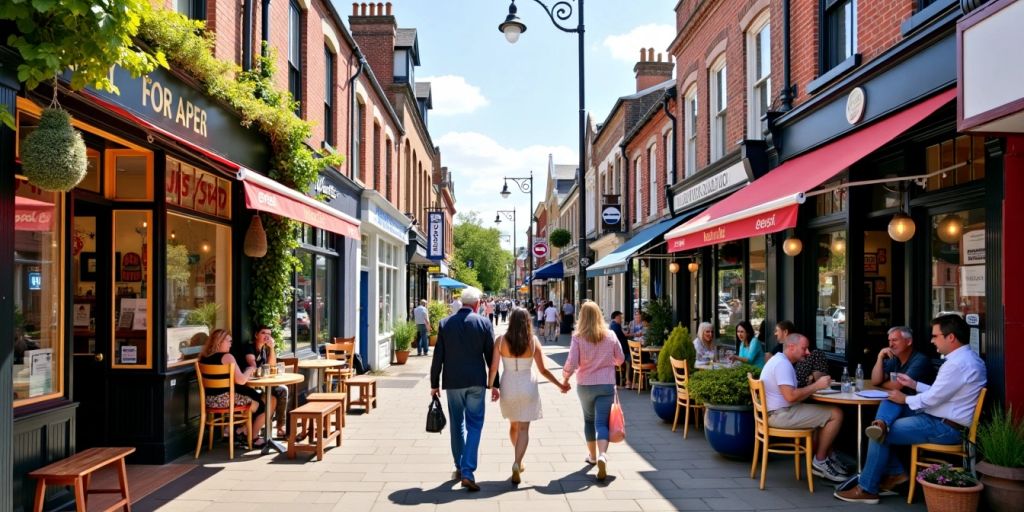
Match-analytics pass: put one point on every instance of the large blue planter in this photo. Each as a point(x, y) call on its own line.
point(663, 398)
point(729, 429)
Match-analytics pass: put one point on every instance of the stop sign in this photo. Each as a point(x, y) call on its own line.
point(540, 249)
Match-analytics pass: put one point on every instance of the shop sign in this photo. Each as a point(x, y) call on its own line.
point(855, 103)
point(973, 247)
point(197, 190)
point(325, 189)
point(766, 223)
point(715, 185)
point(380, 218)
point(435, 235)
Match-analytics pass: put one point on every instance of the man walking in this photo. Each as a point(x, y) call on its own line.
point(462, 355)
point(422, 319)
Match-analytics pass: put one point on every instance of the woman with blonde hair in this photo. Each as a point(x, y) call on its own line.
point(594, 352)
point(704, 343)
point(217, 350)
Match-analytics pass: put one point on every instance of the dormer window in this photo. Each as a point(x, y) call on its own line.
point(404, 66)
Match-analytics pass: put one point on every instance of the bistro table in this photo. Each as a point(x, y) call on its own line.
point(320, 365)
point(268, 383)
point(851, 398)
point(712, 365)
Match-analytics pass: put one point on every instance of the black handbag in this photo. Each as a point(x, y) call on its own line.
point(435, 416)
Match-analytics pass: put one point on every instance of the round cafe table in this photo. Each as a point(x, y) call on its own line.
point(268, 383)
point(320, 365)
point(852, 398)
point(712, 366)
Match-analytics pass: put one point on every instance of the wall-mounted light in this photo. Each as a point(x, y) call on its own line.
point(174, 235)
point(950, 228)
point(792, 246)
point(611, 282)
point(673, 267)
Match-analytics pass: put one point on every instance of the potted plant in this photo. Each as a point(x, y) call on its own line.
point(403, 335)
point(1001, 443)
point(53, 157)
point(663, 388)
point(560, 237)
point(437, 311)
point(728, 416)
point(949, 489)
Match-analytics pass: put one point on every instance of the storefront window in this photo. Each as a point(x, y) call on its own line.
point(132, 284)
point(830, 323)
point(758, 283)
point(832, 202)
point(38, 285)
point(324, 291)
point(966, 151)
point(131, 174)
point(387, 286)
point(198, 284)
point(304, 301)
point(729, 278)
point(958, 268)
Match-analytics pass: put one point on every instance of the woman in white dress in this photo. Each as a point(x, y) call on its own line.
point(518, 350)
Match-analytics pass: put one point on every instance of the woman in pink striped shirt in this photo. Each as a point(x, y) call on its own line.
point(593, 355)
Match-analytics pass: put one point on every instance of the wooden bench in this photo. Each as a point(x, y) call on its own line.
point(320, 433)
point(78, 469)
point(367, 392)
point(341, 398)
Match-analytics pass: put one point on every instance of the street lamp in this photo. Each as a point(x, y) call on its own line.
point(525, 185)
point(510, 215)
point(512, 27)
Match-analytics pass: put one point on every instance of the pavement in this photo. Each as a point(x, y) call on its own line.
point(388, 462)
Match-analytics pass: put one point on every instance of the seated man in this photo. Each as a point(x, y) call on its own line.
point(783, 398)
point(899, 357)
point(256, 354)
point(936, 414)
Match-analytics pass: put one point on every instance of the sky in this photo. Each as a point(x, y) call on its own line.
point(500, 109)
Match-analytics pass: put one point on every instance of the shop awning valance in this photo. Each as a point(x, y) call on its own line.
point(32, 214)
point(617, 261)
point(447, 282)
point(553, 270)
point(770, 204)
point(267, 195)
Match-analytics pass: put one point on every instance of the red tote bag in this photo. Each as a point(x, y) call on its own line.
point(616, 422)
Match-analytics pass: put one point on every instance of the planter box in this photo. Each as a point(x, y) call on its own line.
point(663, 398)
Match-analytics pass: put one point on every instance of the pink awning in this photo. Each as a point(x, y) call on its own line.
point(265, 194)
point(32, 214)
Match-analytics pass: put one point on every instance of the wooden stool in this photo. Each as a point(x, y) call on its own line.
point(317, 413)
point(77, 470)
point(367, 391)
point(341, 398)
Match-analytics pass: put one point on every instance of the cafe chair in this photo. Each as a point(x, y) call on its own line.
point(342, 349)
point(219, 376)
point(950, 450)
point(681, 372)
point(639, 369)
point(799, 440)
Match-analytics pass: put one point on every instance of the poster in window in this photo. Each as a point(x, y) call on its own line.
point(870, 263)
point(972, 281)
point(40, 367)
point(87, 267)
point(82, 315)
point(973, 248)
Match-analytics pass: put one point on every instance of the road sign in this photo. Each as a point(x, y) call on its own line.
point(611, 215)
point(540, 249)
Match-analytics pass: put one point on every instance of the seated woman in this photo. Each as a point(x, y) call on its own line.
point(704, 343)
point(217, 350)
point(750, 350)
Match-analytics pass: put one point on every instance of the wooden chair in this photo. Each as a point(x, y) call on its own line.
point(639, 368)
point(342, 349)
point(953, 450)
point(763, 434)
point(681, 372)
point(219, 376)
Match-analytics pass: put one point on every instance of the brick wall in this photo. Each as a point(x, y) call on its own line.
point(654, 130)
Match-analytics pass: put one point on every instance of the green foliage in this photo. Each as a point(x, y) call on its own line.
point(679, 346)
point(403, 334)
point(947, 475)
point(483, 246)
point(53, 155)
point(437, 311)
point(204, 315)
point(177, 264)
point(725, 386)
point(464, 274)
point(660, 311)
point(560, 237)
point(1001, 439)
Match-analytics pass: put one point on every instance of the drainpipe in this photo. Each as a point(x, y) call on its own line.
point(786, 96)
point(247, 35)
point(352, 107)
point(675, 134)
point(265, 38)
point(625, 189)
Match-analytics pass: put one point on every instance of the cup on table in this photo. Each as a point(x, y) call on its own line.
point(894, 376)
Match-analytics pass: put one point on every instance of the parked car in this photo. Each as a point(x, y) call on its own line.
point(302, 322)
point(723, 314)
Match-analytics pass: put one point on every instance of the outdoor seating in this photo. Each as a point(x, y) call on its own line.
point(367, 392)
point(640, 369)
point(341, 398)
point(342, 349)
point(681, 373)
point(77, 470)
point(218, 376)
point(320, 433)
point(952, 450)
point(763, 434)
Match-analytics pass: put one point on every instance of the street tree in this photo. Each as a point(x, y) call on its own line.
point(482, 245)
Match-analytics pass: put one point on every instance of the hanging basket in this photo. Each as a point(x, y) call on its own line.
point(255, 245)
point(53, 156)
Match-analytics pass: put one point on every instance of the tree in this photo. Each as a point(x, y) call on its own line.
point(483, 246)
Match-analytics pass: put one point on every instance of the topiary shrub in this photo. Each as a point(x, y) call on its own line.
point(560, 238)
point(725, 386)
point(53, 156)
point(679, 346)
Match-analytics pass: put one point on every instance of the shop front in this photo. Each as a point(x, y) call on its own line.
point(383, 279)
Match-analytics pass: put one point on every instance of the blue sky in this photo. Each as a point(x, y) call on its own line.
point(499, 108)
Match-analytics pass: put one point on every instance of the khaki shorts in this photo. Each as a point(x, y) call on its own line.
point(800, 416)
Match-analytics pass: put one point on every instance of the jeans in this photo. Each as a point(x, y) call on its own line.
point(596, 400)
point(423, 340)
point(889, 412)
point(910, 428)
point(466, 408)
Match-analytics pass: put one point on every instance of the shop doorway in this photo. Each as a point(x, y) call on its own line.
point(91, 313)
point(883, 278)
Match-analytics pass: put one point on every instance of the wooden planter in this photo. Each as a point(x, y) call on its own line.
point(941, 498)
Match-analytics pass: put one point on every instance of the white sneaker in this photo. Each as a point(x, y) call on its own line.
point(602, 467)
point(839, 465)
point(826, 470)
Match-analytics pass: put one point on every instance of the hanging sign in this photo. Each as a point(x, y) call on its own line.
point(611, 216)
point(435, 235)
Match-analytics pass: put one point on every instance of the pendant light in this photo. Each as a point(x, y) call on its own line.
point(255, 245)
point(950, 228)
point(673, 267)
point(901, 227)
point(838, 246)
point(792, 246)
point(693, 267)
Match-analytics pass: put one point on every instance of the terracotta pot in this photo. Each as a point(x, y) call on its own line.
point(401, 356)
point(941, 498)
point(433, 340)
point(1004, 487)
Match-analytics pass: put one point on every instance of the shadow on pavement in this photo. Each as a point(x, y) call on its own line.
point(451, 491)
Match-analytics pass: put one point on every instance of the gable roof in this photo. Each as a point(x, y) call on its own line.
point(406, 38)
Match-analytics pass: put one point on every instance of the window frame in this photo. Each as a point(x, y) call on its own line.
point(756, 83)
point(690, 112)
point(652, 184)
point(668, 140)
point(330, 134)
point(828, 55)
point(718, 106)
point(295, 77)
point(638, 192)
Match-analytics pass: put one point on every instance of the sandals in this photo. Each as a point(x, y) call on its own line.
point(259, 443)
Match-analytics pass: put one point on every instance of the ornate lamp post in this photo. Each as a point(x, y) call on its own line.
point(510, 215)
point(559, 12)
point(525, 185)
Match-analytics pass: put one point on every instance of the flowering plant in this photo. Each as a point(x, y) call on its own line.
point(947, 475)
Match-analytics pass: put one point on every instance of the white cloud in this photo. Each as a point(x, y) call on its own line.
point(626, 47)
point(453, 95)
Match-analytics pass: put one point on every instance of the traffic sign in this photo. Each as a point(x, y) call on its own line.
point(611, 215)
point(540, 249)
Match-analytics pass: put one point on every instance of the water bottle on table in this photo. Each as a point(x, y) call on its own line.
point(846, 384)
point(860, 378)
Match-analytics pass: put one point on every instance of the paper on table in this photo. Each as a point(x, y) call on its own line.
point(873, 393)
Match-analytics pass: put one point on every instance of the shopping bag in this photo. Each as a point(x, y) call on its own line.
point(616, 422)
point(435, 416)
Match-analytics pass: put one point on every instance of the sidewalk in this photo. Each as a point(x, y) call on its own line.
point(388, 462)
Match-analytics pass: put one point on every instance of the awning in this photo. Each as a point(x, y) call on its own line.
point(777, 195)
point(617, 261)
point(32, 214)
point(265, 194)
point(447, 282)
point(554, 270)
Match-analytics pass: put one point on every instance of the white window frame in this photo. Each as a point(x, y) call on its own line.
point(755, 83)
point(638, 192)
point(652, 186)
point(387, 286)
point(718, 106)
point(668, 141)
point(691, 111)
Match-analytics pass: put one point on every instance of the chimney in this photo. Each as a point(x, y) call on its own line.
point(651, 72)
point(374, 28)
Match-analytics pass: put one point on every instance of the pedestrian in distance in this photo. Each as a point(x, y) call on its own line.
point(422, 318)
point(551, 322)
point(462, 354)
point(594, 352)
point(518, 350)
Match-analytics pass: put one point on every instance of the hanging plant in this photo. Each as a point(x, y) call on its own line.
point(53, 156)
point(560, 237)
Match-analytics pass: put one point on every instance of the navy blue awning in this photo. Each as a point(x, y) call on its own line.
point(554, 270)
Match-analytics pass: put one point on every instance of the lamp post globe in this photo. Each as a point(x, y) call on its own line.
point(512, 26)
point(504, 191)
point(497, 218)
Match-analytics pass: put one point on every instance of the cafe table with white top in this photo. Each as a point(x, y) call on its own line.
point(870, 395)
point(268, 383)
point(320, 365)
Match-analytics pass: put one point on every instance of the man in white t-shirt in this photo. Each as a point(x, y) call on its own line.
point(455, 306)
point(551, 323)
point(787, 410)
